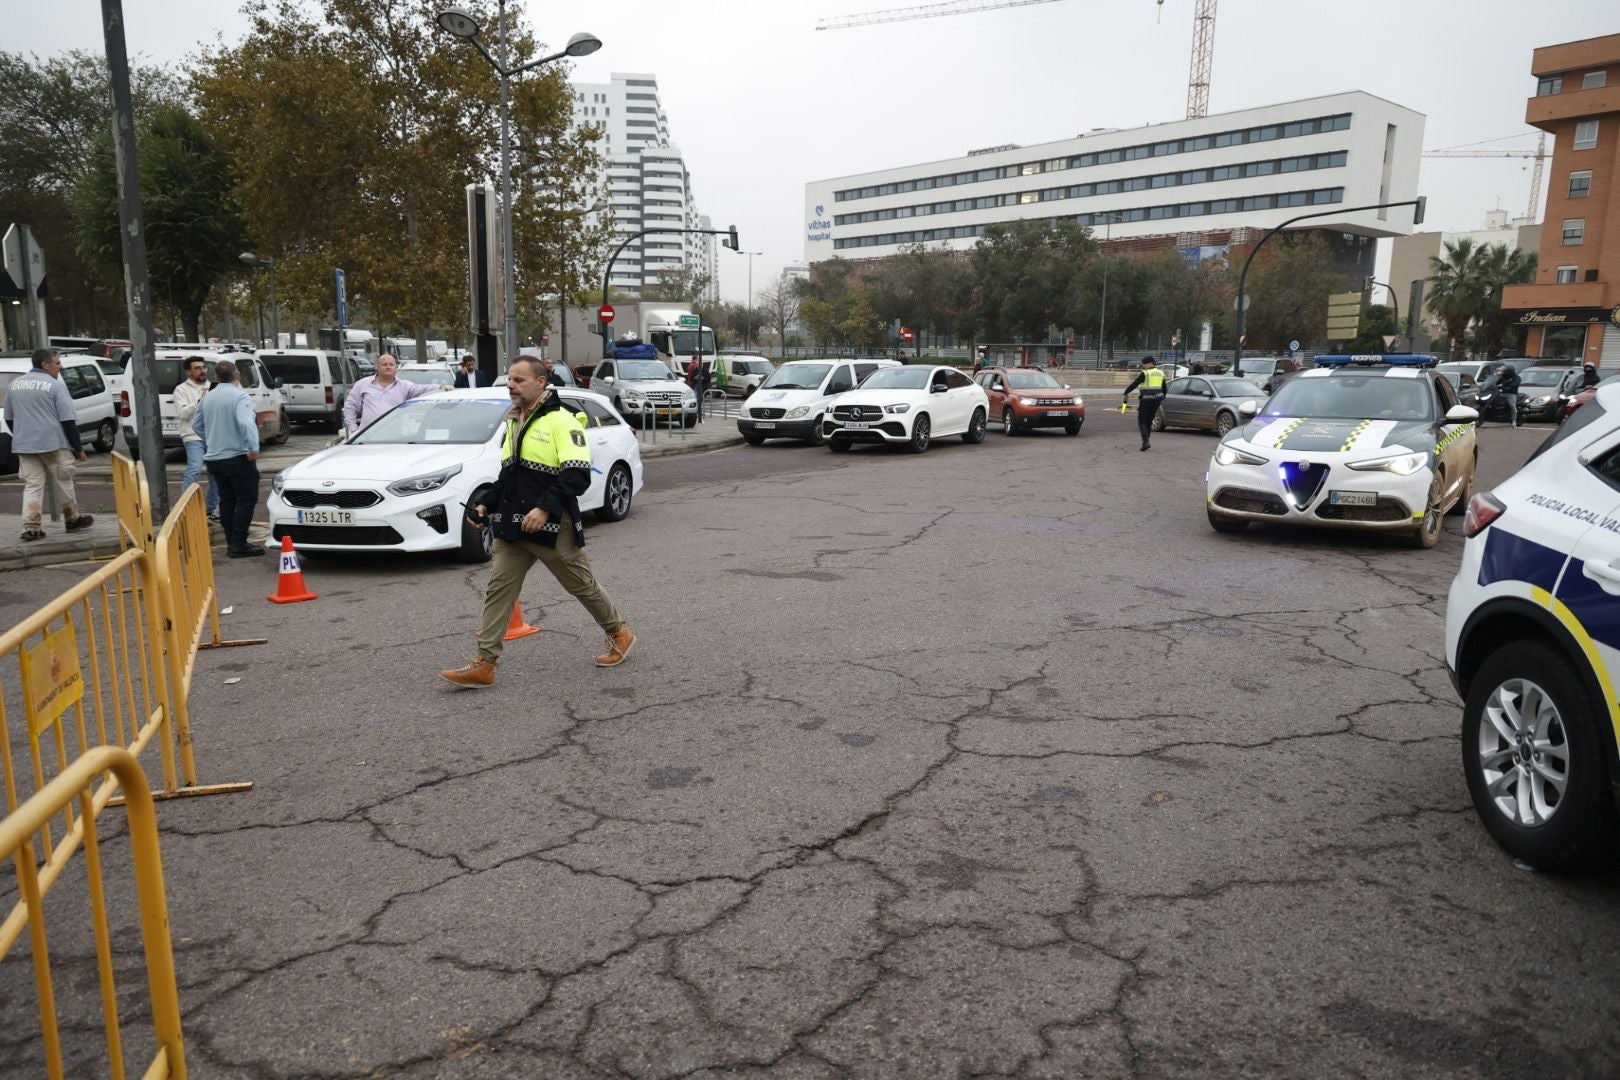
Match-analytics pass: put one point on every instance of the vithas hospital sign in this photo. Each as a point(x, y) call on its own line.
point(819, 227)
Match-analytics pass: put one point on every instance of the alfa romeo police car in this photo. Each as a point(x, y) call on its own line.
point(1357, 442)
point(1533, 646)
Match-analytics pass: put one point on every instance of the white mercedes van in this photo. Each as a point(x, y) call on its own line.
point(793, 399)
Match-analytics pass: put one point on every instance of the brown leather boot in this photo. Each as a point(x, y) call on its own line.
point(619, 643)
point(477, 674)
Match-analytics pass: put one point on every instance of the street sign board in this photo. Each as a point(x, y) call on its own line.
point(604, 313)
point(1344, 315)
point(905, 333)
point(690, 322)
point(24, 258)
point(1293, 346)
point(342, 302)
point(1247, 300)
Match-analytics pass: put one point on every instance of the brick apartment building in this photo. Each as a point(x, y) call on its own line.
point(1573, 309)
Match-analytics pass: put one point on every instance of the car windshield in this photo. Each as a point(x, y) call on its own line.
point(645, 369)
point(1235, 388)
point(1031, 380)
point(433, 419)
point(1259, 367)
point(428, 376)
point(1352, 397)
point(796, 377)
point(1542, 377)
point(898, 378)
point(294, 369)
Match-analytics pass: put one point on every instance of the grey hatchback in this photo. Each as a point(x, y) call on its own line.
point(1210, 402)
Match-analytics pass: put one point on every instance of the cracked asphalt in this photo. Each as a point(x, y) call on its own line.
point(991, 762)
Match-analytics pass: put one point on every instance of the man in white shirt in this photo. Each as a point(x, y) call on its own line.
point(187, 396)
point(376, 394)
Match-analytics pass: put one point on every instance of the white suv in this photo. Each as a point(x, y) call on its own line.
point(910, 406)
point(1533, 645)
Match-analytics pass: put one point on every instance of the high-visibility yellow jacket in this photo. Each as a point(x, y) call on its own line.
point(545, 463)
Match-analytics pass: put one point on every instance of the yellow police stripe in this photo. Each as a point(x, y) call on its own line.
point(1562, 613)
point(1354, 435)
point(1288, 429)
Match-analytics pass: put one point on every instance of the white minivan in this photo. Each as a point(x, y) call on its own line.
point(91, 402)
point(314, 383)
point(794, 399)
point(261, 387)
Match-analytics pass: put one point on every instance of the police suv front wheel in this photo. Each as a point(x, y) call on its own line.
point(1534, 759)
point(1427, 533)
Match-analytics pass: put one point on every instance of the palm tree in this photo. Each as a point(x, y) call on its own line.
point(1499, 266)
point(1456, 289)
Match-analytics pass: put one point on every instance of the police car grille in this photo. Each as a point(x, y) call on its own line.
point(767, 414)
point(357, 535)
point(1385, 510)
point(1249, 502)
point(343, 500)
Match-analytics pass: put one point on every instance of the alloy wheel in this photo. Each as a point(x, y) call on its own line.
point(1523, 753)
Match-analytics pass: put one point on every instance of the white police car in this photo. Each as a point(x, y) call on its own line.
point(1533, 645)
point(1357, 442)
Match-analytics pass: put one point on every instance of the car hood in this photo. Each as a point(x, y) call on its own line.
point(1045, 392)
point(1336, 436)
point(772, 398)
point(384, 462)
point(645, 385)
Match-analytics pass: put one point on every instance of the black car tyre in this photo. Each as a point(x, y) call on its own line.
point(476, 544)
point(283, 430)
point(752, 439)
point(1427, 534)
point(1008, 424)
point(1158, 420)
point(838, 444)
point(1073, 428)
point(920, 433)
point(975, 432)
point(1223, 524)
point(617, 494)
point(690, 420)
point(106, 437)
point(817, 437)
point(1224, 423)
point(1540, 781)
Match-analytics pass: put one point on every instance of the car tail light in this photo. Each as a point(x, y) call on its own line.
point(329, 395)
point(1483, 509)
point(123, 404)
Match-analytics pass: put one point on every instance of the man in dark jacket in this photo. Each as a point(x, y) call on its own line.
point(1507, 385)
point(1589, 376)
point(534, 510)
point(468, 376)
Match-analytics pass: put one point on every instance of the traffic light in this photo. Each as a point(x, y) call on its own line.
point(731, 239)
point(1418, 210)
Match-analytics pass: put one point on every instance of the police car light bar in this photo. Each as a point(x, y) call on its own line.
point(1392, 359)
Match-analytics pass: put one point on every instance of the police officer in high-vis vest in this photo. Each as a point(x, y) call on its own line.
point(1151, 380)
point(534, 510)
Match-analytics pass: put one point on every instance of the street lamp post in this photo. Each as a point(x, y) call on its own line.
point(748, 330)
point(1102, 327)
point(275, 324)
point(460, 23)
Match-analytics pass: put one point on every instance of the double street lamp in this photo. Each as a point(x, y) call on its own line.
point(461, 24)
point(269, 264)
point(748, 332)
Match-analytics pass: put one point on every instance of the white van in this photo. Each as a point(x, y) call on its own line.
point(91, 401)
point(260, 386)
point(313, 383)
point(793, 399)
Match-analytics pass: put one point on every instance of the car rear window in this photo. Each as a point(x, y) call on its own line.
point(294, 369)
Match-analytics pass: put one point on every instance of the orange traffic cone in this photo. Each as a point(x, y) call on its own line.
point(290, 586)
point(517, 628)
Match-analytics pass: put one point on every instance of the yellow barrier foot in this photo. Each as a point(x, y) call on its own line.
point(233, 644)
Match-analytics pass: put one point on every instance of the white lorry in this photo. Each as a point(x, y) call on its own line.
point(675, 330)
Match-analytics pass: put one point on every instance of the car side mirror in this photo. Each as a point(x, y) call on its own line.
point(1248, 409)
point(1461, 414)
point(937, 389)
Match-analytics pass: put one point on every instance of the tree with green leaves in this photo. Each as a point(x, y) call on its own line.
point(1027, 276)
point(1288, 288)
point(1456, 289)
point(1499, 267)
point(678, 285)
point(194, 228)
point(1377, 323)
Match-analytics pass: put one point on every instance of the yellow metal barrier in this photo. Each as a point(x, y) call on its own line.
point(26, 836)
point(133, 499)
point(185, 563)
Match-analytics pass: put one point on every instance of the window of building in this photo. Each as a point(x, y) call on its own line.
point(1580, 184)
point(1594, 79)
point(1563, 342)
point(1574, 231)
point(1549, 84)
point(1028, 197)
point(1567, 274)
point(1586, 134)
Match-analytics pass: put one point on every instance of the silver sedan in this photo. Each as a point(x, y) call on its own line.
point(1209, 402)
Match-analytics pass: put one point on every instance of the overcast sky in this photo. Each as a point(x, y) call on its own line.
point(760, 102)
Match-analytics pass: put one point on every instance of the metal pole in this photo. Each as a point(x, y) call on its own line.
point(143, 356)
point(510, 254)
point(275, 309)
point(1102, 328)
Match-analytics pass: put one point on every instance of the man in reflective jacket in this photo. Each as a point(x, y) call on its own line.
point(534, 511)
point(1151, 380)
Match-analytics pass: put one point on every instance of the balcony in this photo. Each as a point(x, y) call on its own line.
point(1579, 294)
point(1545, 112)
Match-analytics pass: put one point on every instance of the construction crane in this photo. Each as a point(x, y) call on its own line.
point(1539, 154)
point(1203, 50)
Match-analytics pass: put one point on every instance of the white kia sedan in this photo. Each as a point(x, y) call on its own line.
point(404, 482)
point(909, 406)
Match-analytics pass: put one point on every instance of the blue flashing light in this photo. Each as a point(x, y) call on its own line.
point(1391, 360)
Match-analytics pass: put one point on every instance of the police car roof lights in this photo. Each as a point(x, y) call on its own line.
point(1391, 359)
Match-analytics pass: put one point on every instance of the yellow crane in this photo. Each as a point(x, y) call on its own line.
point(1203, 49)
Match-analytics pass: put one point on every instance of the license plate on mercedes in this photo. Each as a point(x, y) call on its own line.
point(325, 517)
point(1352, 498)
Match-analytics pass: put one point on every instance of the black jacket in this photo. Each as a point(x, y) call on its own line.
point(523, 486)
point(1509, 382)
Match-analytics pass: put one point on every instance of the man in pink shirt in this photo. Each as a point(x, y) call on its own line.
point(376, 394)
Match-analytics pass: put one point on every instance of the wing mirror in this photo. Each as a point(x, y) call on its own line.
point(1461, 414)
point(937, 389)
point(1248, 409)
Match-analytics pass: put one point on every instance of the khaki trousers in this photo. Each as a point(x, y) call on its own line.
point(37, 470)
point(567, 563)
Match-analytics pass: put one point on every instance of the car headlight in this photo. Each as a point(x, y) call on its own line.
point(1230, 455)
point(802, 410)
point(277, 482)
point(632, 395)
point(1542, 400)
point(897, 408)
point(1029, 401)
point(417, 485)
point(1400, 464)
